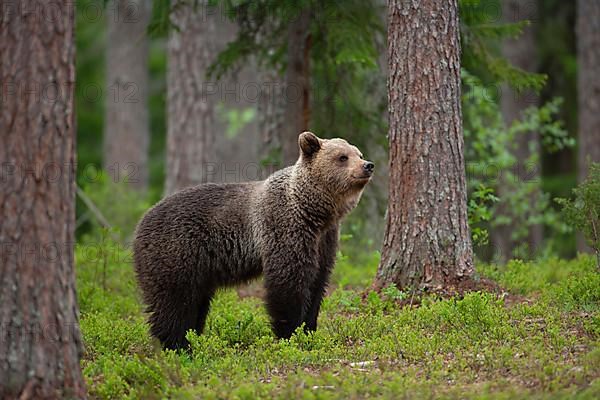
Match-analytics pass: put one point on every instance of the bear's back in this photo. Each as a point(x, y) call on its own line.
point(201, 233)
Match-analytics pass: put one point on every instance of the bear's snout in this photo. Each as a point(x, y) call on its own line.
point(369, 167)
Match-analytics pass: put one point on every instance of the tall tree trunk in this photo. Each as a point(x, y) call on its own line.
point(40, 339)
point(126, 130)
point(271, 106)
point(191, 119)
point(297, 81)
point(521, 52)
point(588, 88)
point(588, 85)
point(427, 241)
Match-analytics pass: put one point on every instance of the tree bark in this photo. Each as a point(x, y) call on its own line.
point(40, 343)
point(521, 52)
point(297, 90)
point(190, 104)
point(126, 129)
point(588, 85)
point(427, 241)
point(271, 106)
point(588, 88)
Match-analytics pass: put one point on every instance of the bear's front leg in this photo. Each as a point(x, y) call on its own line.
point(289, 275)
point(286, 306)
point(328, 244)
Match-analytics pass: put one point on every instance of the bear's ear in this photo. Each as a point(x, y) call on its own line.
point(309, 143)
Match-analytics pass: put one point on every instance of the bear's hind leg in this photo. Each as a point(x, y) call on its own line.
point(173, 318)
point(203, 309)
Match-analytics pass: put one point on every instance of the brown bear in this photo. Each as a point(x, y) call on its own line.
point(213, 235)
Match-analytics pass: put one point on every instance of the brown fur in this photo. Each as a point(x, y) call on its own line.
point(215, 235)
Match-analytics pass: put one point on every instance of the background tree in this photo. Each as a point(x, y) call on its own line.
point(190, 110)
point(126, 129)
point(521, 53)
point(297, 85)
point(588, 55)
point(41, 343)
point(588, 90)
point(328, 50)
point(427, 241)
point(270, 110)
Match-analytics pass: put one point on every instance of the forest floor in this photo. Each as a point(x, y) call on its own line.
point(538, 340)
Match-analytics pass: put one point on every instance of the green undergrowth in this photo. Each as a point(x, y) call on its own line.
point(538, 341)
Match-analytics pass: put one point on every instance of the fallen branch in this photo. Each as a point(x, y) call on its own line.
point(93, 209)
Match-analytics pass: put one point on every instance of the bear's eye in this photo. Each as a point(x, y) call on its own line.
point(343, 158)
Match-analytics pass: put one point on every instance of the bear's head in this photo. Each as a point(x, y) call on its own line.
point(335, 165)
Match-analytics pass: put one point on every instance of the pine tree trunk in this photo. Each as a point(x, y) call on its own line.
point(191, 119)
point(427, 241)
point(40, 343)
point(126, 129)
point(521, 52)
point(588, 88)
point(588, 83)
point(297, 81)
point(271, 106)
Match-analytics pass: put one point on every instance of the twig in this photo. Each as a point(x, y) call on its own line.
point(596, 239)
point(81, 220)
point(92, 207)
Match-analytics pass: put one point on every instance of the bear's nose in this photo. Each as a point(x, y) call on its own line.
point(369, 166)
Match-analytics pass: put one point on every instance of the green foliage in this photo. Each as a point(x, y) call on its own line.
point(490, 146)
point(106, 335)
point(235, 119)
point(491, 156)
point(90, 42)
point(481, 34)
point(345, 29)
point(583, 212)
point(346, 40)
point(105, 278)
point(157, 104)
point(479, 211)
point(160, 21)
point(392, 292)
point(580, 292)
point(354, 268)
point(349, 92)
point(535, 277)
point(477, 346)
point(557, 56)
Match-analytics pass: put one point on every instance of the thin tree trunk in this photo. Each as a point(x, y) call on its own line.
point(427, 241)
point(588, 84)
point(521, 52)
point(40, 340)
point(271, 106)
point(588, 87)
point(126, 130)
point(297, 80)
point(191, 119)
